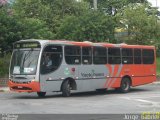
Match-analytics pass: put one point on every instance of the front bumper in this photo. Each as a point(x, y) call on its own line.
point(24, 87)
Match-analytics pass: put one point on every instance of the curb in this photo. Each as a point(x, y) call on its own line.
point(156, 83)
point(4, 89)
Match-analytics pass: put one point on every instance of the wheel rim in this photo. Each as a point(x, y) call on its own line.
point(125, 85)
point(68, 88)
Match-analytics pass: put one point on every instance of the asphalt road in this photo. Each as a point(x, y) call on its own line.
point(140, 99)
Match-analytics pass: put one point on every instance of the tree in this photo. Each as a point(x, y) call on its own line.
point(140, 25)
point(50, 11)
point(34, 28)
point(92, 26)
point(8, 29)
point(3, 2)
point(12, 28)
point(111, 7)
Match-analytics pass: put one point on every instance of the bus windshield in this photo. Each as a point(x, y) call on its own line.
point(24, 62)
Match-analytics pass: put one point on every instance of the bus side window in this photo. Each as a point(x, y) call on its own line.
point(127, 56)
point(86, 55)
point(114, 56)
point(51, 58)
point(99, 55)
point(72, 55)
point(148, 56)
point(137, 56)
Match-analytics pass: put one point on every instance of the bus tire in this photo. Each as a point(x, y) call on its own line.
point(125, 85)
point(41, 94)
point(66, 88)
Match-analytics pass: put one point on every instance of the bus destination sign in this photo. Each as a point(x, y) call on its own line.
point(27, 45)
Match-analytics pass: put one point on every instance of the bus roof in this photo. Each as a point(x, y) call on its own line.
point(85, 43)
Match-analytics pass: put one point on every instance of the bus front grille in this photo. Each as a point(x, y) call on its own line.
point(26, 82)
point(21, 88)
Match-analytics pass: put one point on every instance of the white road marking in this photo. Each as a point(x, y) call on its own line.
point(140, 97)
point(152, 103)
point(145, 101)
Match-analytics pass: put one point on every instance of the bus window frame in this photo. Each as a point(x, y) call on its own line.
point(25, 49)
point(80, 55)
point(91, 57)
point(137, 56)
point(62, 54)
point(132, 56)
point(148, 56)
point(116, 56)
point(106, 55)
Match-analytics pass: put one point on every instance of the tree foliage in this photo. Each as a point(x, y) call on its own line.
point(73, 20)
point(9, 29)
point(13, 28)
point(92, 26)
point(111, 7)
point(69, 19)
point(140, 25)
point(50, 11)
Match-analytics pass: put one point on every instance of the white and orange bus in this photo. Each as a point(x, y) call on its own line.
point(65, 66)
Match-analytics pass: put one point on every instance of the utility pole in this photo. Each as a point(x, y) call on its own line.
point(95, 4)
point(156, 4)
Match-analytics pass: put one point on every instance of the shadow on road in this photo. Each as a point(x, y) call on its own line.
point(82, 94)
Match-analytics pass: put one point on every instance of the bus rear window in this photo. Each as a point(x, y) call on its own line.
point(148, 56)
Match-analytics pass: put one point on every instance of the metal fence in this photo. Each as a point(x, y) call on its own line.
point(3, 82)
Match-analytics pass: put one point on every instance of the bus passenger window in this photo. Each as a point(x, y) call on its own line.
point(127, 56)
point(148, 56)
point(114, 56)
point(99, 55)
point(137, 56)
point(51, 59)
point(72, 54)
point(86, 55)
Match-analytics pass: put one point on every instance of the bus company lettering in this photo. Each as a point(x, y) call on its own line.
point(92, 74)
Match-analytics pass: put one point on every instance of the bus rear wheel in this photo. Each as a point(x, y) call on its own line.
point(66, 88)
point(41, 94)
point(125, 85)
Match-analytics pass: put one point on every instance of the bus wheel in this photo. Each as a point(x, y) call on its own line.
point(125, 85)
point(66, 88)
point(41, 94)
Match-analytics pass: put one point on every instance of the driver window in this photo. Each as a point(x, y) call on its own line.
point(51, 59)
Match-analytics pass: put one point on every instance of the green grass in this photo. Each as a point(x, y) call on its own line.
point(158, 66)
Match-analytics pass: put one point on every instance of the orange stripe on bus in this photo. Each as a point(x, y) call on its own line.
point(81, 43)
point(109, 73)
point(116, 68)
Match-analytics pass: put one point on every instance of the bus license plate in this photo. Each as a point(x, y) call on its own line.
point(20, 87)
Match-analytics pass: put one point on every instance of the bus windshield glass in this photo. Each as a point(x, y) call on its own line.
point(24, 62)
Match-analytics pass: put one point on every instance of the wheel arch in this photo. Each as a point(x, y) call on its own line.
point(72, 83)
point(129, 77)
